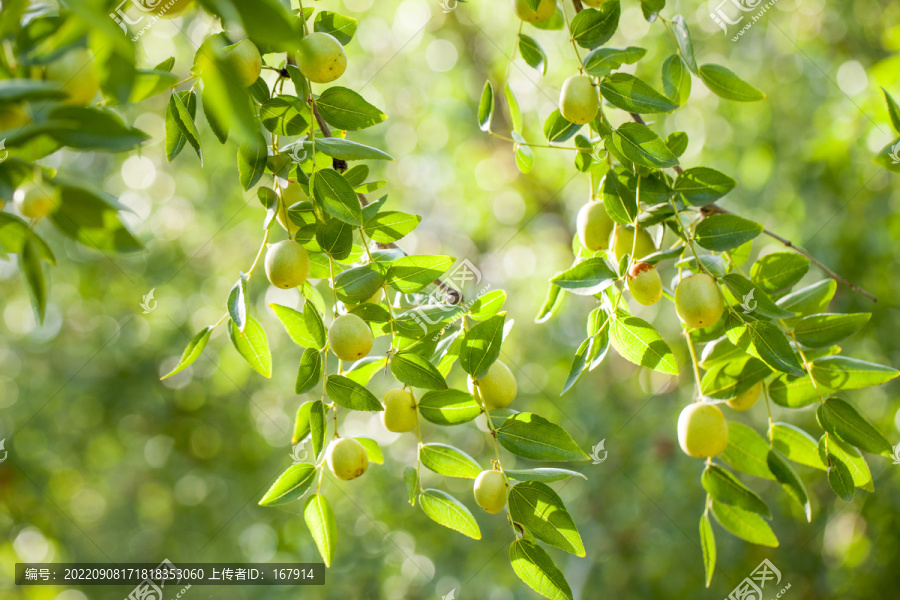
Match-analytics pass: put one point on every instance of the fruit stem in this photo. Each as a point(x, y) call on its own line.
point(694, 363)
point(259, 254)
point(572, 39)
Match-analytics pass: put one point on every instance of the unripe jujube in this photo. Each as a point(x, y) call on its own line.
point(375, 298)
point(350, 337)
point(702, 430)
point(33, 202)
point(497, 388)
point(75, 70)
point(399, 413)
point(699, 301)
point(246, 61)
point(747, 399)
point(490, 491)
point(593, 3)
point(346, 458)
point(545, 10)
point(644, 283)
point(623, 243)
point(321, 58)
point(287, 264)
point(578, 100)
point(594, 226)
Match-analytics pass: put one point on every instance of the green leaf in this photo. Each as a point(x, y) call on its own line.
point(524, 153)
point(390, 226)
point(676, 80)
point(34, 275)
point(600, 62)
point(310, 371)
point(373, 450)
point(409, 274)
point(579, 363)
point(731, 378)
point(175, 137)
point(708, 546)
point(346, 149)
point(337, 197)
point(449, 461)
point(411, 478)
point(90, 217)
point(530, 436)
point(558, 129)
point(588, 277)
point(295, 326)
point(192, 352)
point(448, 407)
point(534, 566)
point(642, 146)
point(746, 451)
point(444, 509)
point(849, 457)
point(744, 524)
point(253, 345)
point(638, 341)
point(887, 158)
point(15, 233)
point(840, 479)
point(845, 373)
point(284, 115)
point(752, 299)
point(88, 128)
point(340, 27)
point(817, 331)
point(487, 305)
point(320, 519)
point(238, 304)
point(19, 90)
point(629, 93)
point(724, 83)
point(789, 480)
point(415, 371)
point(769, 343)
point(486, 107)
point(532, 53)
point(541, 511)
point(290, 485)
point(843, 420)
point(724, 232)
point(551, 302)
point(364, 369)
point(700, 186)
point(684, 42)
point(727, 489)
point(252, 158)
point(481, 346)
point(893, 110)
point(515, 113)
point(544, 474)
point(345, 109)
point(317, 427)
point(302, 422)
point(594, 27)
point(349, 394)
point(336, 239)
point(779, 270)
point(796, 444)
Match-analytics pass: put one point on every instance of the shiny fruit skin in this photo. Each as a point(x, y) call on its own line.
point(578, 100)
point(375, 298)
point(545, 10)
point(34, 203)
point(490, 491)
point(699, 301)
point(399, 413)
point(289, 195)
point(702, 430)
point(747, 399)
point(623, 242)
point(350, 338)
point(287, 264)
point(246, 61)
point(594, 226)
point(644, 283)
point(177, 8)
point(497, 388)
point(346, 458)
point(321, 58)
point(75, 70)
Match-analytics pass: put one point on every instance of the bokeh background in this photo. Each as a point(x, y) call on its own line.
point(107, 463)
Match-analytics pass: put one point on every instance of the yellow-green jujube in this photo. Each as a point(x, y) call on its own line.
point(321, 57)
point(497, 388)
point(623, 242)
point(699, 301)
point(644, 283)
point(545, 10)
point(75, 70)
point(290, 195)
point(399, 413)
point(702, 430)
point(746, 400)
point(34, 202)
point(578, 100)
point(593, 3)
point(346, 458)
point(174, 8)
point(246, 61)
point(287, 264)
point(13, 116)
point(350, 337)
point(490, 491)
point(594, 226)
point(375, 298)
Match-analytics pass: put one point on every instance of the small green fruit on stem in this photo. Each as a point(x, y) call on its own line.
point(75, 70)
point(287, 264)
point(33, 202)
point(244, 58)
point(399, 413)
point(578, 100)
point(746, 400)
point(699, 301)
point(545, 10)
point(594, 226)
point(350, 337)
point(623, 242)
point(702, 430)
point(321, 58)
point(490, 491)
point(497, 388)
point(346, 458)
point(644, 283)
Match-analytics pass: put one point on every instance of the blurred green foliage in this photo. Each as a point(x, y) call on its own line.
point(107, 463)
